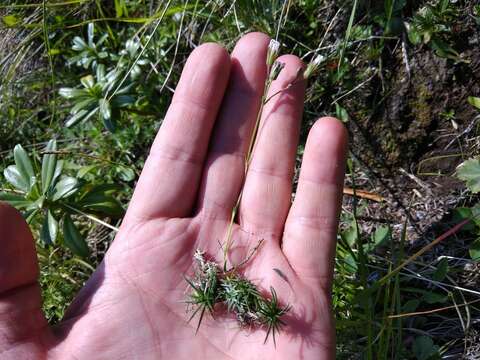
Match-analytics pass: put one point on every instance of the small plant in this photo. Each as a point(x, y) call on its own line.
point(92, 99)
point(433, 25)
point(48, 196)
point(211, 286)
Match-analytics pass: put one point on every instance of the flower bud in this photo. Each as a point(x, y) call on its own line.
point(272, 53)
point(313, 66)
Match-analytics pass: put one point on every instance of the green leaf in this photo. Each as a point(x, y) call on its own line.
point(82, 115)
point(474, 250)
point(15, 200)
point(24, 165)
point(73, 239)
point(125, 173)
point(424, 348)
point(110, 124)
point(474, 101)
point(10, 20)
point(381, 235)
point(98, 202)
point(121, 101)
point(350, 235)
point(410, 306)
point(65, 188)
point(79, 44)
point(469, 171)
point(70, 93)
point(105, 110)
point(88, 81)
point(414, 35)
point(49, 230)
point(442, 270)
point(431, 297)
point(49, 164)
point(91, 34)
point(341, 113)
point(14, 177)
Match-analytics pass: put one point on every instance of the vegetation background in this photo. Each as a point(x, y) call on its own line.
point(84, 85)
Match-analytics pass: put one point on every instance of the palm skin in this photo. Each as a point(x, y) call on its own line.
point(133, 306)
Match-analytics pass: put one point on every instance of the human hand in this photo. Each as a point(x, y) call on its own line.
point(132, 307)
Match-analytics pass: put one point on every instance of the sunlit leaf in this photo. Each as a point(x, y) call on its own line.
point(49, 231)
point(24, 165)
point(65, 188)
point(49, 164)
point(14, 177)
point(469, 171)
point(474, 101)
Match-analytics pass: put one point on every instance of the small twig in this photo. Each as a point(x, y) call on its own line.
point(363, 194)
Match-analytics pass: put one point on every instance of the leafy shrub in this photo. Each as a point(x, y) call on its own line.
point(49, 196)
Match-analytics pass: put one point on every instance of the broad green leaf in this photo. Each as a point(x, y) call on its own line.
point(49, 164)
point(49, 230)
point(24, 165)
point(58, 172)
point(65, 188)
point(15, 200)
point(14, 177)
point(474, 101)
point(424, 348)
point(414, 35)
point(70, 93)
point(381, 235)
point(122, 101)
point(79, 44)
point(52, 226)
point(431, 297)
point(411, 305)
point(469, 171)
point(350, 235)
point(85, 105)
point(73, 239)
point(125, 173)
point(82, 115)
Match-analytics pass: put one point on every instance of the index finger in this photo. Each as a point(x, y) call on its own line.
point(169, 181)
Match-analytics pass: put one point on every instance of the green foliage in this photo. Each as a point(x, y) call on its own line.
point(469, 171)
point(433, 25)
point(48, 195)
point(425, 349)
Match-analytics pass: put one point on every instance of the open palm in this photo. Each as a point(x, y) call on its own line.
point(133, 306)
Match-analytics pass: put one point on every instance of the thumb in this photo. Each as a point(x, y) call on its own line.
point(23, 327)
